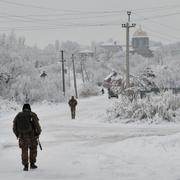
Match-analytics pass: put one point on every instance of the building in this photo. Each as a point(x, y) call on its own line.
point(140, 43)
point(86, 54)
point(112, 46)
point(113, 77)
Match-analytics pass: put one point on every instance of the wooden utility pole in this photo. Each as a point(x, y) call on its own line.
point(74, 75)
point(127, 26)
point(63, 73)
point(69, 76)
point(82, 73)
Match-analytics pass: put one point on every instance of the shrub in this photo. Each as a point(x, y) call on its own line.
point(153, 108)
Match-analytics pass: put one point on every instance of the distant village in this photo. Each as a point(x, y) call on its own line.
point(140, 44)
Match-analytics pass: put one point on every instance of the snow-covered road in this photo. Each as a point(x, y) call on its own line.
point(87, 148)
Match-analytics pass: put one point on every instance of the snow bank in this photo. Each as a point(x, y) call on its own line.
point(152, 109)
point(7, 111)
point(146, 144)
point(144, 158)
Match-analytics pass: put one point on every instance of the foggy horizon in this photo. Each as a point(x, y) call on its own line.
point(42, 22)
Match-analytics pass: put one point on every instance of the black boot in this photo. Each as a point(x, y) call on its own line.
point(33, 166)
point(25, 167)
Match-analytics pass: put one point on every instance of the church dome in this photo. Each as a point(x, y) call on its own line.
point(140, 33)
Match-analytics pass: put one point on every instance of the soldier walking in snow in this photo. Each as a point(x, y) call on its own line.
point(72, 103)
point(27, 129)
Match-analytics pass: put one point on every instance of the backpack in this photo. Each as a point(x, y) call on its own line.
point(24, 122)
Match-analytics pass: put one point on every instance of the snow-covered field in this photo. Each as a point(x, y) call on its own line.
point(87, 148)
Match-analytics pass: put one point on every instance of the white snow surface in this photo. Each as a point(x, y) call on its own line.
point(87, 148)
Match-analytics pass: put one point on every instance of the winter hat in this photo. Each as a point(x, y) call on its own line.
point(26, 107)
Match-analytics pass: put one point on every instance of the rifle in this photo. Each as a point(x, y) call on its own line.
point(38, 136)
point(39, 144)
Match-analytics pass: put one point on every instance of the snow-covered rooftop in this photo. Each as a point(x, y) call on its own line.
point(86, 51)
point(111, 44)
point(110, 75)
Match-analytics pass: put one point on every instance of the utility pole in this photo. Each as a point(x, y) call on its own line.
point(63, 76)
point(74, 74)
point(127, 26)
point(69, 76)
point(82, 73)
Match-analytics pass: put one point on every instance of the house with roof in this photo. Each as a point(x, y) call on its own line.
point(112, 46)
point(86, 54)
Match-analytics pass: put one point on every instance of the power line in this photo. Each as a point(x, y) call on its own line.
point(104, 14)
point(165, 25)
point(84, 12)
point(52, 9)
point(78, 11)
point(60, 15)
point(75, 12)
point(53, 25)
point(167, 35)
point(18, 18)
point(77, 15)
point(158, 16)
point(36, 7)
point(63, 26)
point(157, 8)
point(27, 19)
point(160, 35)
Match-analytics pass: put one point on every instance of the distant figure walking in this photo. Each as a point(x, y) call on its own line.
point(72, 103)
point(27, 129)
point(102, 91)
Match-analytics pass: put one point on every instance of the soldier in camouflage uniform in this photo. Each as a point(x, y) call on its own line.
point(72, 103)
point(27, 129)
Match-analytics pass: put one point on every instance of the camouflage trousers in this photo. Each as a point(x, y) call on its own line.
point(29, 150)
point(73, 113)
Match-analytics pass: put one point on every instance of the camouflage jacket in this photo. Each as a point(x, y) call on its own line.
point(72, 103)
point(36, 128)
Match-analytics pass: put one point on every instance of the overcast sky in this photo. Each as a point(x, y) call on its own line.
point(43, 21)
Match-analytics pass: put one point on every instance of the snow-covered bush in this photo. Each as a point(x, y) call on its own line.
point(7, 106)
point(89, 89)
point(143, 82)
point(21, 67)
point(153, 108)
